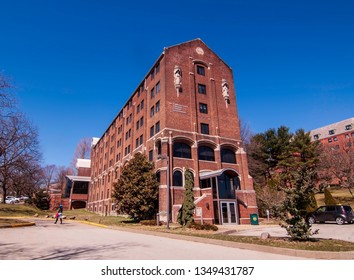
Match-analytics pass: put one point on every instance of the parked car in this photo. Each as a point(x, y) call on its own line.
point(329, 213)
point(12, 200)
point(9, 200)
point(23, 198)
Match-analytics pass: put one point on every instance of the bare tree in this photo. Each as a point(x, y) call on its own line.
point(18, 148)
point(246, 132)
point(26, 180)
point(48, 173)
point(60, 175)
point(19, 151)
point(5, 99)
point(337, 165)
point(82, 151)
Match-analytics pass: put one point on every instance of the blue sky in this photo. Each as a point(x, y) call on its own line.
point(74, 63)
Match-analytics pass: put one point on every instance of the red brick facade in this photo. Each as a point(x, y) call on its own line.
point(183, 116)
point(337, 136)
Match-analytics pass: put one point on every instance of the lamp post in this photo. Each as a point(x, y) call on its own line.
point(167, 190)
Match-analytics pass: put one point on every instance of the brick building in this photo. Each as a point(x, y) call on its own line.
point(73, 194)
point(183, 117)
point(335, 135)
point(339, 137)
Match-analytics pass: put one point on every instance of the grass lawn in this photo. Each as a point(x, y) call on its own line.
point(342, 195)
point(23, 210)
point(20, 210)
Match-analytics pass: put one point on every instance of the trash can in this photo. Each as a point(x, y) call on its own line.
point(254, 219)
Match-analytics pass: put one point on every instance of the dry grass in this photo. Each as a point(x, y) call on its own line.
point(342, 195)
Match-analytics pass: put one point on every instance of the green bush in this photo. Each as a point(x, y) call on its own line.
point(42, 200)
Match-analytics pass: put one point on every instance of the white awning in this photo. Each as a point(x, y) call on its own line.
point(210, 174)
point(79, 178)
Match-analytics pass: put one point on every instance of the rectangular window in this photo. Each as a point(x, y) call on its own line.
point(203, 108)
point(157, 68)
point(151, 155)
point(157, 87)
point(141, 121)
point(152, 111)
point(200, 70)
point(141, 139)
point(138, 109)
point(157, 106)
point(152, 131)
point(157, 127)
point(142, 104)
point(137, 125)
point(201, 88)
point(331, 132)
point(204, 128)
point(152, 93)
point(152, 74)
point(348, 127)
point(136, 142)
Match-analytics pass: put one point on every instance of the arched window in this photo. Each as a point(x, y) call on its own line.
point(228, 156)
point(177, 179)
point(182, 150)
point(206, 153)
point(227, 184)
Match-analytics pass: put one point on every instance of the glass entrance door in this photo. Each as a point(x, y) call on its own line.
point(228, 212)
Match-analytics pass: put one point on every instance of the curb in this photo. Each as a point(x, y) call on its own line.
point(24, 224)
point(92, 224)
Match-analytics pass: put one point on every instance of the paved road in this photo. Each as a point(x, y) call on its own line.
point(76, 241)
point(328, 230)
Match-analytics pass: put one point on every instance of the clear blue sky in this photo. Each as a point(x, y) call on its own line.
point(75, 63)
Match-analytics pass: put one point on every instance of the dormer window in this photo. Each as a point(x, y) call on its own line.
point(316, 136)
point(331, 132)
point(348, 127)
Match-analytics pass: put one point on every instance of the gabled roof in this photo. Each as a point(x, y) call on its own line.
point(197, 39)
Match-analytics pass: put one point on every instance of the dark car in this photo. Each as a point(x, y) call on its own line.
point(332, 213)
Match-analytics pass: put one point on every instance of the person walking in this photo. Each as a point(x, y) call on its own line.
point(59, 214)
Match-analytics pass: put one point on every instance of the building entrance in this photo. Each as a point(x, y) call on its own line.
point(228, 212)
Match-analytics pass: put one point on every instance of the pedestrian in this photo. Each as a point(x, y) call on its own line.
point(59, 214)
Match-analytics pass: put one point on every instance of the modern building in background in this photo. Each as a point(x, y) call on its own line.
point(183, 117)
